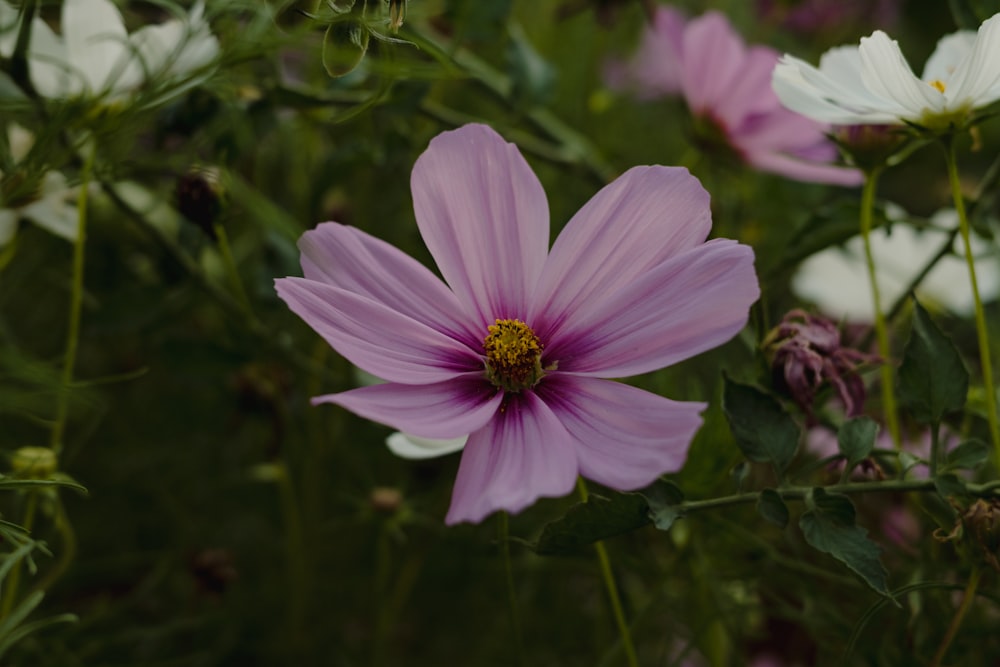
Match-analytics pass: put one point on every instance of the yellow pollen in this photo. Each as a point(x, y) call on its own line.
point(938, 84)
point(513, 356)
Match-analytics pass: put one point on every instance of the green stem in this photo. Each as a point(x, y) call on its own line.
point(10, 589)
point(75, 303)
point(67, 553)
point(515, 618)
point(981, 332)
point(609, 583)
point(956, 621)
point(234, 275)
point(888, 393)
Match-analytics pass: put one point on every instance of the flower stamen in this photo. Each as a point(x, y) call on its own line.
point(513, 356)
point(937, 84)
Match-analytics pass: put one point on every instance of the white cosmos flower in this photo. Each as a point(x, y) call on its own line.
point(97, 57)
point(836, 279)
point(873, 84)
point(52, 206)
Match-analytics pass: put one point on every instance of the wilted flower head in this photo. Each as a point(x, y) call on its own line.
point(516, 349)
point(96, 57)
point(978, 528)
point(872, 83)
point(726, 87)
point(806, 353)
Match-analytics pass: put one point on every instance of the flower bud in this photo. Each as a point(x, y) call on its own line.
point(34, 462)
point(199, 198)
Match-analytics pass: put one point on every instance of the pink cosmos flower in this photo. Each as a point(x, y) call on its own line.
point(516, 347)
point(727, 87)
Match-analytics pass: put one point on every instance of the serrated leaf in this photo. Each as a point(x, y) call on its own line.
point(932, 379)
point(967, 456)
point(663, 500)
point(344, 46)
point(827, 531)
point(856, 438)
point(764, 432)
point(773, 508)
point(596, 519)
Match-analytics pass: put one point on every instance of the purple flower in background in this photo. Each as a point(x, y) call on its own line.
point(727, 87)
point(821, 16)
point(517, 349)
point(806, 353)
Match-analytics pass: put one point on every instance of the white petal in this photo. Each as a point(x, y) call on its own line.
point(816, 98)
point(976, 81)
point(836, 279)
point(885, 72)
point(48, 64)
point(413, 447)
point(949, 53)
point(97, 44)
point(55, 211)
point(8, 30)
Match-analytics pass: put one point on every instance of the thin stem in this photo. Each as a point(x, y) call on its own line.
point(515, 618)
point(956, 621)
point(14, 582)
point(981, 332)
point(888, 393)
point(75, 304)
point(609, 583)
point(67, 553)
point(234, 275)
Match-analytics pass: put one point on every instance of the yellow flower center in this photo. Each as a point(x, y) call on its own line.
point(513, 356)
point(938, 84)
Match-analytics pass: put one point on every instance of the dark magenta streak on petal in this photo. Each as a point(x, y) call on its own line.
point(625, 437)
point(441, 410)
point(376, 338)
point(522, 454)
point(348, 258)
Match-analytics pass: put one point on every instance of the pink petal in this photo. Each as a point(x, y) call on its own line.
point(522, 454)
point(655, 69)
point(626, 437)
point(348, 258)
point(713, 58)
point(750, 91)
point(802, 170)
point(376, 338)
point(686, 305)
point(643, 218)
point(441, 410)
point(484, 217)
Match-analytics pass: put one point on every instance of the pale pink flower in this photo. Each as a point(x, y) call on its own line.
point(727, 85)
point(516, 348)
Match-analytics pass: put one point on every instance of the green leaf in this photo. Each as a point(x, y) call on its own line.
point(773, 508)
point(663, 499)
point(932, 379)
point(532, 78)
point(828, 526)
point(764, 432)
point(968, 14)
point(344, 46)
point(856, 438)
point(950, 486)
point(592, 521)
point(967, 456)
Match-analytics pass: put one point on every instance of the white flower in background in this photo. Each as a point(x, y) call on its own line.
point(51, 206)
point(96, 57)
point(873, 84)
point(412, 447)
point(836, 279)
